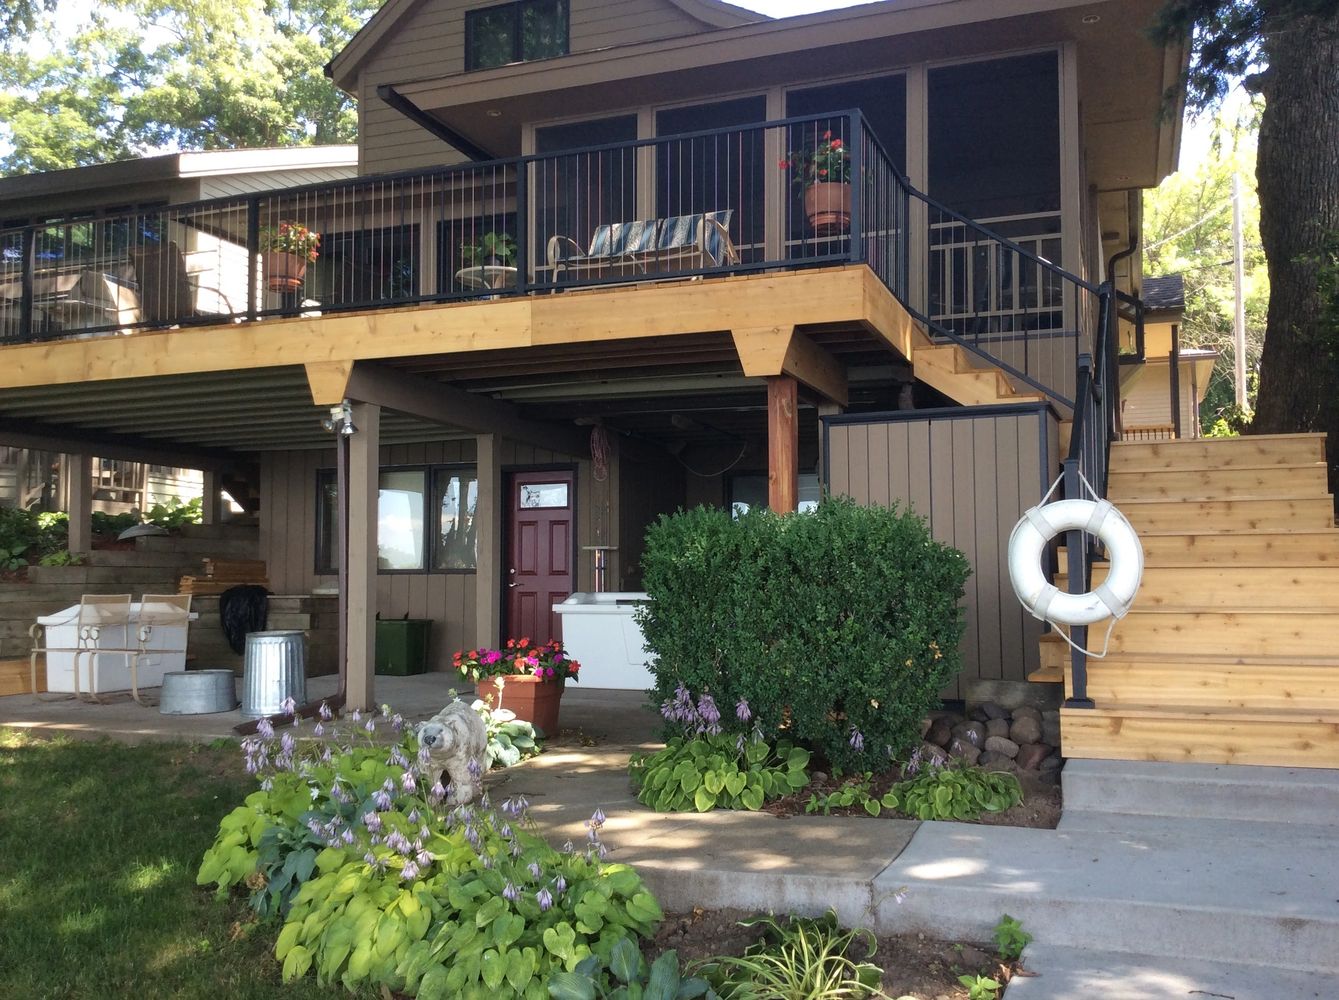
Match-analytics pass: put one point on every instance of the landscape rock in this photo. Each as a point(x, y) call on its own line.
point(939, 733)
point(1050, 728)
point(994, 711)
point(974, 959)
point(993, 761)
point(1002, 745)
point(1025, 730)
point(1028, 712)
point(977, 715)
point(971, 732)
point(925, 726)
point(933, 754)
point(1030, 755)
point(964, 751)
point(1051, 763)
point(997, 727)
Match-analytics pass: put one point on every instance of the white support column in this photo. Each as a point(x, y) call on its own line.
point(488, 515)
point(80, 487)
point(364, 481)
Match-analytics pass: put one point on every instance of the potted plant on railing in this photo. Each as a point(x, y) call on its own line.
point(493, 248)
point(825, 174)
point(288, 248)
point(525, 677)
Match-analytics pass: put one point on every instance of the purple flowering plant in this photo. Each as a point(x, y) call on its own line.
point(376, 879)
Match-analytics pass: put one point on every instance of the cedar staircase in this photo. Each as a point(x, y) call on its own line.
point(949, 369)
point(1230, 654)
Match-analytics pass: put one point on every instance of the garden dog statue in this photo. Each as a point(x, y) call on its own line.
point(457, 743)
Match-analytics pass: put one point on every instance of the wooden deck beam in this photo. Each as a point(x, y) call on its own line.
point(329, 343)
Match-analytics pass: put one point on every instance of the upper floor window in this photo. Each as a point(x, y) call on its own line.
point(515, 32)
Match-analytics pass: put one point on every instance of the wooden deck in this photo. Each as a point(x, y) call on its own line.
point(1229, 654)
point(15, 677)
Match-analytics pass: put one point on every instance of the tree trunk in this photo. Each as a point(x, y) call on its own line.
point(1298, 173)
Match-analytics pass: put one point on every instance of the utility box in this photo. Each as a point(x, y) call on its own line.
point(402, 646)
point(600, 632)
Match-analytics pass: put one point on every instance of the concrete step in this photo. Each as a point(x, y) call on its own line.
point(1073, 973)
point(1202, 791)
point(1213, 900)
point(1155, 829)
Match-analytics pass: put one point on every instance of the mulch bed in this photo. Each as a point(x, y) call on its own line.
point(913, 964)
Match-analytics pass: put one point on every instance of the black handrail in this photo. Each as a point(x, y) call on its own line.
point(392, 239)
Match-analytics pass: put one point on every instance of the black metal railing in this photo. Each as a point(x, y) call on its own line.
point(1085, 469)
point(718, 201)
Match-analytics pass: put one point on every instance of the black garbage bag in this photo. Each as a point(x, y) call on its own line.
point(242, 609)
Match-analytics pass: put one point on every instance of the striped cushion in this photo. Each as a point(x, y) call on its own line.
point(679, 231)
point(633, 237)
point(599, 243)
point(713, 241)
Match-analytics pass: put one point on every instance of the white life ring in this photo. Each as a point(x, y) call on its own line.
point(1112, 598)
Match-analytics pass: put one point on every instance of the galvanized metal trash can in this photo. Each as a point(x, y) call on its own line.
point(197, 692)
point(275, 669)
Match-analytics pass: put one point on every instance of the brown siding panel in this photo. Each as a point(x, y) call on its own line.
point(971, 476)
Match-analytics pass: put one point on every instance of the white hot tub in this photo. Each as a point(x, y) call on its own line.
point(111, 671)
point(600, 633)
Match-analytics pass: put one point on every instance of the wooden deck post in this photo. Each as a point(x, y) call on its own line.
point(80, 491)
point(783, 444)
point(488, 514)
point(364, 484)
point(210, 497)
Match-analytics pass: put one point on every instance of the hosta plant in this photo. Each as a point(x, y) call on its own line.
point(718, 771)
point(955, 792)
point(378, 883)
point(510, 740)
point(628, 975)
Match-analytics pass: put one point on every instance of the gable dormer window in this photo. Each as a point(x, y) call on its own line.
point(515, 32)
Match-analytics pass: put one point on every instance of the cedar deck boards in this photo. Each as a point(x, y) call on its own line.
point(1229, 654)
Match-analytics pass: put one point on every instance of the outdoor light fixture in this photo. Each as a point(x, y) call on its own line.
point(340, 420)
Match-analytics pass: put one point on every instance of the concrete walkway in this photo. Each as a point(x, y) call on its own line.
point(1122, 904)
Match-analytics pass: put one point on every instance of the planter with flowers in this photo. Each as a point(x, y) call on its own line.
point(288, 248)
point(526, 678)
point(824, 172)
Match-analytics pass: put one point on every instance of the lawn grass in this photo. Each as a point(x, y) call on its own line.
point(99, 846)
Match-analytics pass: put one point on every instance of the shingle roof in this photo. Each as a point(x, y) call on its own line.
point(1168, 292)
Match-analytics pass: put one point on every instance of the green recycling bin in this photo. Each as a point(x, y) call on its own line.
point(402, 646)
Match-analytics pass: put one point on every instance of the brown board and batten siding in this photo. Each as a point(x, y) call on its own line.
point(430, 43)
point(971, 472)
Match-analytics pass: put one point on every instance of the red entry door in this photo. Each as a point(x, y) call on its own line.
point(539, 571)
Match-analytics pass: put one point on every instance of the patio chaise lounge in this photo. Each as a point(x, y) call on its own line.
point(648, 246)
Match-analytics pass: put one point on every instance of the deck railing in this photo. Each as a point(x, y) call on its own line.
point(697, 204)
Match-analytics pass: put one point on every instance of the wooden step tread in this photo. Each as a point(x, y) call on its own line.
point(1298, 436)
point(1194, 661)
point(1047, 675)
point(1206, 713)
point(1268, 497)
point(1202, 609)
point(1171, 533)
point(1279, 468)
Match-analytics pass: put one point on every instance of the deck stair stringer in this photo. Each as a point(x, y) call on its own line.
point(951, 370)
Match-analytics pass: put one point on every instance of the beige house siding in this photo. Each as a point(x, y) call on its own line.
point(430, 43)
point(971, 477)
point(1146, 400)
point(230, 185)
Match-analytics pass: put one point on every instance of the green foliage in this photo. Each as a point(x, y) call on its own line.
point(807, 957)
point(851, 792)
point(174, 513)
point(981, 987)
point(838, 628)
point(1010, 938)
point(112, 524)
point(377, 886)
point(28, 536)
point(510, 740)
point(62, 558)
point(717, 771)
point(128, 76)
point(491, 244)
point(955, 793)
point(626, 974)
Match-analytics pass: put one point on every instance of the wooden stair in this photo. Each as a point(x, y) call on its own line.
point(1230, 654)
point(949, 369)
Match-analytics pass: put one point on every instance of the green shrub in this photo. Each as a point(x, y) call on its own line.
point(955, 792)
point(838, 628)
point(174, 513)
point(377, 881)
point(112, 524)
point(1010, 938)
point(717, 771)
point(27, 536)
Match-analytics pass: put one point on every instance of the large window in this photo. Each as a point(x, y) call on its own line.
point(515, 32)
point(425, 520)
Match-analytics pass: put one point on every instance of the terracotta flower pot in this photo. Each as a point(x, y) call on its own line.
point(284, 271)
point(533, 700)
point(828, 207)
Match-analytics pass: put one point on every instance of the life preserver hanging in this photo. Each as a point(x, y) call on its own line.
point(1027, 544)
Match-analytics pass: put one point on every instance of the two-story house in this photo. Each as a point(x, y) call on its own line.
point(606, 259)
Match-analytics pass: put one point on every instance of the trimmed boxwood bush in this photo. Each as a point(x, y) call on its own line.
point(839, 627)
